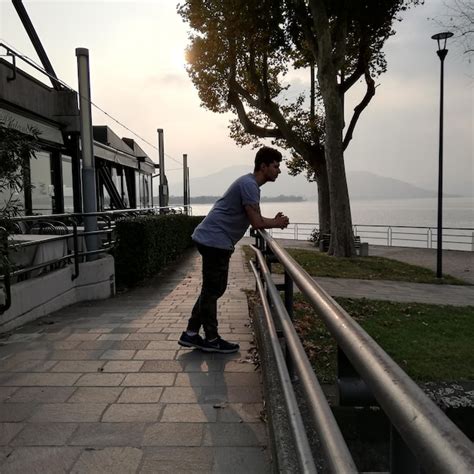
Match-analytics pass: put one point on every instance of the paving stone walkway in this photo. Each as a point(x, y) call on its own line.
point(103, 387)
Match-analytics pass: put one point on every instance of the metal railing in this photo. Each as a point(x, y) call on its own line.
point(454, 238)
point(62, 227)
point(421, 435)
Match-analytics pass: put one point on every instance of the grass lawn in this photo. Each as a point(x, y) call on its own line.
point(364, 268)
point(430, 342)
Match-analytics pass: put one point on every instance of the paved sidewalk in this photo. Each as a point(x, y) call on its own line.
point(104, 387)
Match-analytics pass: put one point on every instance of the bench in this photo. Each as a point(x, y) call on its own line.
point(362, 248)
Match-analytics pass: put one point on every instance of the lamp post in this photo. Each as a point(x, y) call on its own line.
point(441, 38)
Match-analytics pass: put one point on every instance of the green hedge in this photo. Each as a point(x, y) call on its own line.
point(146, 244)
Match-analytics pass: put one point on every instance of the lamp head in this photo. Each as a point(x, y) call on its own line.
point(442, 38)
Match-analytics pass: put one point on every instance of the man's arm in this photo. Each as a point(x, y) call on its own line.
point(257, 221)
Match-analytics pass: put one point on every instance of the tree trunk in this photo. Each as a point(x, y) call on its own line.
point(324, 203)
point(342, 238)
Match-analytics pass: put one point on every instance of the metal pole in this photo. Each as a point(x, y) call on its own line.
point(87, 147)
point(161, 152)
point(188, 188)
point(439, 254)
point(185, 183)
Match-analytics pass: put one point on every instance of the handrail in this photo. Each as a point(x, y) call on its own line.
point(336, 452)
point(437, 443)
point(303, 450)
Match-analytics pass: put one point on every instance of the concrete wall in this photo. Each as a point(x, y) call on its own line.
point(38, 297)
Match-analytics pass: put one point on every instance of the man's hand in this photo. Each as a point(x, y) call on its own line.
point(281, 220)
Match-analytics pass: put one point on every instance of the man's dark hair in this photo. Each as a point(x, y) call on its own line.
point(266, 155)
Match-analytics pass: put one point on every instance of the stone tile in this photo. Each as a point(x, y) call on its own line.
point(130, 345)
point(45, 434)
point(244, 394)
point(42, 394)
point(77, 366)
point(150, 380)
point(203, 365)
point(68, 412)
point(108, 434)
point(141, 395)
point(173, 434)
point(15, 412)
point(147, 337)
point(95, 345)
point(239, 379)
point(34, 366)
point(113, 337)
point(6, 393)
point(161, 366)
point(114, 354)
point(49, 460)
point(96, 395)
point(240, 412)
point(108, 460)
point(252, 460)
point(123, 366)
point(100, 330)
point(196, 379)
point(82, 337)
point(65, 345)
point(8, 431)
point(100, 380)
point(137, 413)
point(231, 434)
point(181, 395)
point(76, 355)
point(155, 355)
point(191, 413)
point(240, 366)
point(162, 345)
point(178, 460)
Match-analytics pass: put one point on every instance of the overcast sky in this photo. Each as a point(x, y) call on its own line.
point(138, 76)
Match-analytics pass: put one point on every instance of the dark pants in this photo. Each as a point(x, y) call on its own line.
point(215, 271)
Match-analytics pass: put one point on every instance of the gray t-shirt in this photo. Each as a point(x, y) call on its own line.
point(227, 221)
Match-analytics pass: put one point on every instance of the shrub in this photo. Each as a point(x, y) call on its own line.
point(146, 244)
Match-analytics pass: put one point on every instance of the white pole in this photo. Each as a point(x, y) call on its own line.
point(87, 149)
point(161, 154)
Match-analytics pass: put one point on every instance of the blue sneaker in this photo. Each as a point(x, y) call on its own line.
point(219, 345)
point(191, 341)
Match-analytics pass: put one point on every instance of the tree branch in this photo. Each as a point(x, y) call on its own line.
point(370, 92)
point(249, 126)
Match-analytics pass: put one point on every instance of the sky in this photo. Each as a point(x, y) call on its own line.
point(138, 76)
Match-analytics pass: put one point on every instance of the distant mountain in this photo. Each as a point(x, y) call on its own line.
point(362, 185)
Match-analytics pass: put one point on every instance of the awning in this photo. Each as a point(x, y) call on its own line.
point(47, 132)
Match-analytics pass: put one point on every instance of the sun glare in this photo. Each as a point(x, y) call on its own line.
point(177, 58)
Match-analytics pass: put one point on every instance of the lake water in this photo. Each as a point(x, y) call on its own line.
point(457, 212)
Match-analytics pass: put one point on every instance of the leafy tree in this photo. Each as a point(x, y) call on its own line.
point(239, 55)
point(459, 18)
point(16, 150)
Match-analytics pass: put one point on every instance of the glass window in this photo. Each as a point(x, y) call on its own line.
point(42, 192)
point(145, 191)
point(138, 185)
point(66, 163)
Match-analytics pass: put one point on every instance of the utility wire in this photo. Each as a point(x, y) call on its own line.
point(64, 84)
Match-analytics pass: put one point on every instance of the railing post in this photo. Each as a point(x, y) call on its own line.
point(402, 460)
point(353, 391)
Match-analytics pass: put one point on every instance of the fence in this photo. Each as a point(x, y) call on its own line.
point(422, 437)
point(35, 245)
point(454, 238)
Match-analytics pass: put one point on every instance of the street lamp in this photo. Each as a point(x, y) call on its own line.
point(441, 38)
